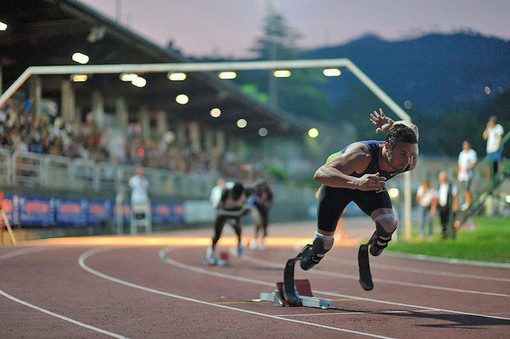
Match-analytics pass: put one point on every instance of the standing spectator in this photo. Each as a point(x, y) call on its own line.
point(140, 188)
point(467, 161)
point(140, 202)
point(425, 197)
point(447, 203)
point(494, 134)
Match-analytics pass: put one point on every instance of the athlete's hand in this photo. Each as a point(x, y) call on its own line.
point(381, 121)
point(371, 182)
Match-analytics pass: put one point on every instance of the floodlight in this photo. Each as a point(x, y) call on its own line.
point(176, 76)
point(182, 99)
point(80, 58)
point(227, 75)
point(283, 73)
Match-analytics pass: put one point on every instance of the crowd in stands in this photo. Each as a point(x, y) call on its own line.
point(21, 130)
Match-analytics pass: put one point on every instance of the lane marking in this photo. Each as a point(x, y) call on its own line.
point(386, 281)
point(40, 309)
point(421, 271)
point(76, 322)
point(199, 270)
point(23, 251)
point(347, 313)
point(92, 252)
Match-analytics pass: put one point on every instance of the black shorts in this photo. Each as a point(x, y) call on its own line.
point(332, 202)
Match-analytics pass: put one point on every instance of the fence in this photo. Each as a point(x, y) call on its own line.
point(38, 174)
point(26, 169)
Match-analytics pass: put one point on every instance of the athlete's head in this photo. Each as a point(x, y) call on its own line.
point(401, 147)
point(237, 190)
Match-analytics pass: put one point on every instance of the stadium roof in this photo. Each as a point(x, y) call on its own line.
point(48, 32)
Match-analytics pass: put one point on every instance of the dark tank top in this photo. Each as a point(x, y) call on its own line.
point(373, 167)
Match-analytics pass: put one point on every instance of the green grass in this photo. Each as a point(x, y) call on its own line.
point(488, 241)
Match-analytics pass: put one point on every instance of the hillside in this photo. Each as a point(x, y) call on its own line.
point(435, 72)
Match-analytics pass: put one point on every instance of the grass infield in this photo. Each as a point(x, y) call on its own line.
point(487, 241)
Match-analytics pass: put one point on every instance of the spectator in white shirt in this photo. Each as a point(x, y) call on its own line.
point(494, 135)
point(467, 161)
point(140, 188)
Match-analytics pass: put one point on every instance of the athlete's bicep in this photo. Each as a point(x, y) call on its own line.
point(354, 159)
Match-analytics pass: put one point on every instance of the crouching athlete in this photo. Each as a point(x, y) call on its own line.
point(358, 173)
point(231, 207)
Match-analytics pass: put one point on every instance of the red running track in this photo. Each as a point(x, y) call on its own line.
point(92, 291)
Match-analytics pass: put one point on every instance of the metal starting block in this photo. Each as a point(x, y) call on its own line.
point(305, 296)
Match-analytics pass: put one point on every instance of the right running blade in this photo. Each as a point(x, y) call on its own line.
point(289, 289)
point(365, 276)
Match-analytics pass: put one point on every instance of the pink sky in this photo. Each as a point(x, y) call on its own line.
point(230, 27)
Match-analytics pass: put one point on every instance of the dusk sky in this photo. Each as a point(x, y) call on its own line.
point(230, 27)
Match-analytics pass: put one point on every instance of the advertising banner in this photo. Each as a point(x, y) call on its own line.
point(35, 211)
point(98, 212)
point(71, 212)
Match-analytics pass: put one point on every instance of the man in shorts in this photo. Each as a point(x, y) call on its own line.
point(359, 173)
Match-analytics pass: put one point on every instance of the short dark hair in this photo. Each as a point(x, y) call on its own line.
point(237, 190)
point(401, 133)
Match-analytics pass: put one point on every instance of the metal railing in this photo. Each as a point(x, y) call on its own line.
point(33, 170)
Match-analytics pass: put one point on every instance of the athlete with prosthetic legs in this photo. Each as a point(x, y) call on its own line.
point(359, 173)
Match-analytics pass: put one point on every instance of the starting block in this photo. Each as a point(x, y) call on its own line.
point(305, 296)
point(221, 260)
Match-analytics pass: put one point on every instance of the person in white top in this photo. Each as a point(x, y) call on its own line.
point(494, 135)
point(140, 202)
point(140, 188)
point(447, 202)
point(467, 161)
point(425, 196)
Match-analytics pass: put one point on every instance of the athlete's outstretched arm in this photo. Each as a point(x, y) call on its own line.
point(356, 158)
point(384, 123)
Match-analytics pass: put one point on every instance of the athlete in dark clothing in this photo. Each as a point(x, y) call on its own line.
point(358, 173)
point(231, 207)
point(262, 200)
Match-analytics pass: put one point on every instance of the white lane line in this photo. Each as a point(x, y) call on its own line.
point(347, 313)
point(76, 322)
point(23, 251)
point(40, 309)
point(386, 281)
point(92, 252)
point(420, 271)
point(196, 269)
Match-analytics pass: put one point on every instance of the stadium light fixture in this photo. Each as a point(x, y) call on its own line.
point(263, 131)
point(79, 77)
point(128, 76)
point(227, 75)
point(242, 123)
point(3, 26)
point(282, 73)
point(80, 58)
point(215, 112)
point(313, 132)
point(332, 72)
point(174, 76)
point(139, 82)
point(182, 99)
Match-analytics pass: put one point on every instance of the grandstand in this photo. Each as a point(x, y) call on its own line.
point(62, 136)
